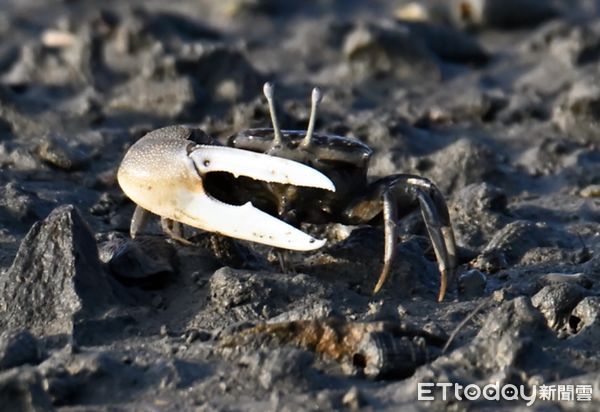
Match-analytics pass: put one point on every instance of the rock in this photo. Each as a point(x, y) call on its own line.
point(480, 202)
point(229, 288)
point(247, 296)
point(104, 377)
point(575, 45)
point(20, 205)
point(172, 28)
point(556, 302)
point(236, 74)
point(490, 261)
point(353, 399)
point(482, 197)
point(145, 261)
point(471, 284)
point(500, 13)
point(578, 278)
point(508, 343)
point(462, 163)
point(57, 152)
point(444, 106)
point(517, 238)
point(576, 112)
point(548, 157)
point(280, 363)
point(508, 332)
point(56, 279)
point(251, 8)
point(449, 44)
point(19, 347)
point(73, 62)
point(590, 191)
point(374, 51)
point(584, 322)
point(168, 98)
point(230, 252)
point(21, 390)
point(320, 309)
point(20, 159)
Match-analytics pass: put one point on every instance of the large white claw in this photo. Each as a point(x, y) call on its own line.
point(243, 222)
point(165, 177)
point(258, 166)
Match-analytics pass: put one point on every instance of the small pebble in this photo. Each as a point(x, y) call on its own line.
point(472, 283)
point(590, 191)
point(352, 399)
point(58, 39)
point(56, 152)
point(157, 301)
point(413, 11)
point(579, 278)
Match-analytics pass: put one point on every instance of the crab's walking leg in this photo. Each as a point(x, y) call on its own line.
point(174, 230)
point(390, 217)
point(138, 221)
point(397, 195)
point(437, 221)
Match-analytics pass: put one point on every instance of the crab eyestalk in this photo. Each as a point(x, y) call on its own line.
point(269, 92)
point(315, 99)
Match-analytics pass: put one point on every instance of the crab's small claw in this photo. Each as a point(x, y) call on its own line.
point(164, 176)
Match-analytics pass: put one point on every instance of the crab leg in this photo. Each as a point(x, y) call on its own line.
point(437, 222)
point(390, 216)
point(164, 174)
point(400, 194)
point(138, 221)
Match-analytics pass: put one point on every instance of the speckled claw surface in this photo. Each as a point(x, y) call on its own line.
point(163, 173)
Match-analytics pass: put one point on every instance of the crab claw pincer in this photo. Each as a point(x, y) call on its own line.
point(163, 174)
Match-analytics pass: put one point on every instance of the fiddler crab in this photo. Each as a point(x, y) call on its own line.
point(267, 181)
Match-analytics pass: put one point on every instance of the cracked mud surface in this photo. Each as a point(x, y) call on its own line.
point(495, 101)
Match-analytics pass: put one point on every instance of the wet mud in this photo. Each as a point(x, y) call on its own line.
point(495, 101)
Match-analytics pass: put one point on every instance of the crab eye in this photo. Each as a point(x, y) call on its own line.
point(206, 162)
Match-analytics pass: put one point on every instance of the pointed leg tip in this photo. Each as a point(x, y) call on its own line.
point(443, 285)
point(381, 281)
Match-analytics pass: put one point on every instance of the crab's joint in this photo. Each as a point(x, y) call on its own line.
point(162, 174)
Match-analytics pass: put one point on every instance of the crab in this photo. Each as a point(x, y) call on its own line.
point(264, 182)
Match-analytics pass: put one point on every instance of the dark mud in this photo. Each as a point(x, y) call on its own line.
point(495, 101)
